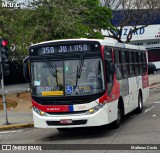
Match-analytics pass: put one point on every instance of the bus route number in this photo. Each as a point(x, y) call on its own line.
point(47, 50)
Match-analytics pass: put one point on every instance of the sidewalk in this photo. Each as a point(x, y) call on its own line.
point(15, 88)
point(154, 79)
point(21, 116)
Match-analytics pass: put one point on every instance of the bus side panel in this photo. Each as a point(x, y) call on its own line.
point(124, 92)
point(112, 111)
point(145, 81)
point(139, 86)
point(139, 82)
point(126, 101)
point(133, 92)
point(145, 93)
point(145, 88)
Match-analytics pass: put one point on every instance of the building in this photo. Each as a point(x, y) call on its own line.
point(148, 37)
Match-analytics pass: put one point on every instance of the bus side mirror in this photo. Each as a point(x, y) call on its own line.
point(26, 72)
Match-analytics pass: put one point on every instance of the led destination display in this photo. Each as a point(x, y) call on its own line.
point(47, 50)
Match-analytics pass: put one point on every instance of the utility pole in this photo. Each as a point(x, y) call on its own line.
point(4, 72)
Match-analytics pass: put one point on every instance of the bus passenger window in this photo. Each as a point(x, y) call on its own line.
point(140, 62)
point(125, 69)
point(131, 65)
point(116, 56)
point(117, 65)
point(144, 63)
point(123, 57)
point(131, 70)
point(118, 71)
point(136, 67)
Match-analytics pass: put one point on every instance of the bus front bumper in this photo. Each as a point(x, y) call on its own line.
point(81, 120)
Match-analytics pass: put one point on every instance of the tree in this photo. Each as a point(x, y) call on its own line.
point(133, 13)
point(56, 19)
point(96, 17)
point(53, 19)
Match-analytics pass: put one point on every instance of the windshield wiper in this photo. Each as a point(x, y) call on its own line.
point(79, 68)
point(52, 70)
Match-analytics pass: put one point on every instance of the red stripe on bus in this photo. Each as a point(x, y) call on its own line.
point(51, 108)
point(145, 81)
point(102, 51)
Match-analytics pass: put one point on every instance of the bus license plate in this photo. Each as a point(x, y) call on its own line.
point(67, 121)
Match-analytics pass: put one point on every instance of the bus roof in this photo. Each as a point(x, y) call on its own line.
point(101, 41)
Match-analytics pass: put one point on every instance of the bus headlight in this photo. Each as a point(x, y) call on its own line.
point(39, 112)
point(96, 108)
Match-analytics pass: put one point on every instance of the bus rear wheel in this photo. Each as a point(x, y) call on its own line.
point(140, 104)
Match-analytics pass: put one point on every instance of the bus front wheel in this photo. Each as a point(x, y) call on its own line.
point(116, 124)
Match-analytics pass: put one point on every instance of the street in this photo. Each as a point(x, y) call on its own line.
point(135, 129)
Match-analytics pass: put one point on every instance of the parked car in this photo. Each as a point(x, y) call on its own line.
point(152, 68)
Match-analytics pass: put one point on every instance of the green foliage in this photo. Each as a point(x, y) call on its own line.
point(96, 16)
point(53, 19)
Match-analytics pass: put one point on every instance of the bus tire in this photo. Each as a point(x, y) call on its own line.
point(140, 104)
point(116, 124)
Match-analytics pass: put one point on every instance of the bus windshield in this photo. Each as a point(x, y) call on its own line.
point(68, 77)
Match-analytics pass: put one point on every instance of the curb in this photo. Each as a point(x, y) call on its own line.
point(16, 126)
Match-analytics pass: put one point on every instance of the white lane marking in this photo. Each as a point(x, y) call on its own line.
point(154, 115)
point(11, 131)
point(148, 109)
point(157, 102)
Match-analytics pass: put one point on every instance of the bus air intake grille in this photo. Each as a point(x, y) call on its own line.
point(57, 123)
point(66, 113)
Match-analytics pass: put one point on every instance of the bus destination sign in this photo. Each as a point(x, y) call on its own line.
point(48, 50)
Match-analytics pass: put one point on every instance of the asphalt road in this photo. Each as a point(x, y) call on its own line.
point(141, 128)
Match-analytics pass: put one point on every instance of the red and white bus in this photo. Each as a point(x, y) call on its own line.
point(85, 82)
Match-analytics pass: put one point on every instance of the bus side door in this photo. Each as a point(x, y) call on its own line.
point(112, 85)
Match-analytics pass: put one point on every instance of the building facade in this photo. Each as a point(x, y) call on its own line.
point(148, 37)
